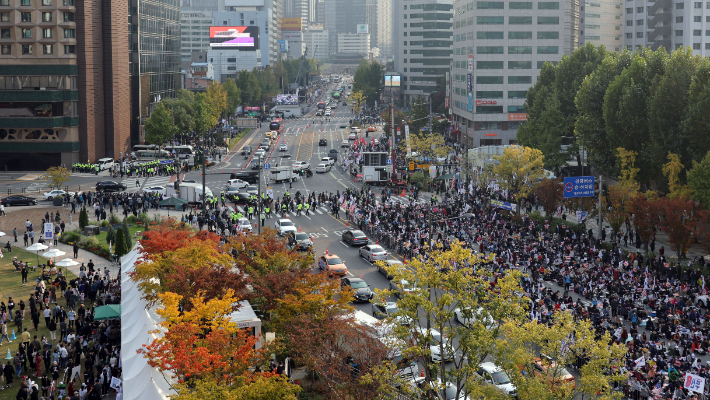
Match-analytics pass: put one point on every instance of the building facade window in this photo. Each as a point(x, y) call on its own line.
point(26, 49)
point(548, 35)
point(26, 17)
point(516, 109)
point(69, 49)
point(69, 33)
point(520, 20)
point(489, 64)
point(548, 20)
point(489, 109)
point(489, 35)
point(47, 49)
point(489, 50)
point(27, 33)
point(519, 79)
point(517, 94)
point(547, 50)
point(519, 49)
point(492, 80)
point(489, 5)
point(519, 35)
point(519, 64)
point(47, 33)
point(488, 94)
point(490, 20)
point(548, 5)
point(6, 50)
point(46, 17)
point(520, 5)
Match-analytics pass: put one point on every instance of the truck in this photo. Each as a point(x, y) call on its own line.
point(283, 174)
point(192, 192)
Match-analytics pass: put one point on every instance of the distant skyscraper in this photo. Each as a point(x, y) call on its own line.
point(320, 12)
point(154, 64)
point(343, 16)
point(371, 20)
point(384, 27)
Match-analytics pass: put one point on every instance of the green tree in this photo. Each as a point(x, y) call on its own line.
point(590, 127)
point(233, 96)
point(121, 249)
point(83, 218)
point(216, 98)
point(368, 79)
point(111, 235)
point(159, 127)
point(182, 111)
point(666, 115)
point(550, 108)
point(419, 116)
point(696, 122)
point(204, 118)
point(699, 181)
point(127, 234)
point(358, 101)
point(626, 108)
point(249, 88)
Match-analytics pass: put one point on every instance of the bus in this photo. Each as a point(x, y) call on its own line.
point(275, 125)
point(145, 147)
point(182, 152)
point(321, 105)
point(336, 95)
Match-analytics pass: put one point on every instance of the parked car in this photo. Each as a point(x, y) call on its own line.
point(388, 310)
point(468, 317)
point(284, 226)
point(18, 200)
point(402, 288)
point(355, 238)
point(109, 186)
point(332, 265)
point(322, 167)
point(434, 339)
point(55, 193)
point(373, 252)
point(361, 290)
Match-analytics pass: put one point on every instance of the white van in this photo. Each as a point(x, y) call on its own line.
point(355, 130)
point(104, 163)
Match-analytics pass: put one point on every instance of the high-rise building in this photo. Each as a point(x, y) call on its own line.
point(154, 65)
point(194, 34)
point(423, 44)
point(371, 18)
point(601, 23)
point(384, 27)
point(316, 41)
point(354, 43)
point(668, 24)
point(499, 49)
point(63, 82)
point(320, 12)
point(342, 16)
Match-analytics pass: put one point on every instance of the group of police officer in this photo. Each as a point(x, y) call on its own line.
point(85, 168)
point(151, 168)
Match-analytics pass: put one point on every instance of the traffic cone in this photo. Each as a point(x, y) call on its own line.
point(13, 337)
point(347, 223)
point(377, 241)
point(422, 373)
point(9, 355)
point(255, 225)
point(326, 251)
point(299, 228)
point(405, 260)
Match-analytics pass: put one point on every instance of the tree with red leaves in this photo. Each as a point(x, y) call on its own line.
point(645, 209)
point(266, 253)
point(549, 195)
point(679, 220)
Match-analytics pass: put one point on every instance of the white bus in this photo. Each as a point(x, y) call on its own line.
point(143, 147)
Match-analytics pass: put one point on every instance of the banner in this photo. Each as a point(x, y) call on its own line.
point(640, 362)
point(470, 63)
point(406, 137)
point(470, 102)
point(469, 82)
point(503, 204)
point(578, 186)
point(291, 24)
point(432, 171)
point(48, 231)
point(694, 383)
point(581, 216)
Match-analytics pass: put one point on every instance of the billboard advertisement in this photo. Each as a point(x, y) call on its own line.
point(234, 37)
point(392, 80)
point(517, 117)
point(286, 99)
point(291, 24)
point(362, 28)
point(292, 36)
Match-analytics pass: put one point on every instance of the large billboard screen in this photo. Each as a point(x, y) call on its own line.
point(392, 80)
point(291, 24)
point(286, 99)
point(235, 37)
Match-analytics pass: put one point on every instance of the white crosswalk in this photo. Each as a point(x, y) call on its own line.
point(322, 210)
point(145, 182)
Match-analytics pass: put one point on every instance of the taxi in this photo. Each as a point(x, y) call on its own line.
point(332, 265)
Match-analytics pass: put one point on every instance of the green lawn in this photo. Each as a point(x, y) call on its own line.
point(11, 286)
point(235, 140)
point(131, 228)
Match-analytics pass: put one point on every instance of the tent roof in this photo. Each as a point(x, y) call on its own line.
point(111, 311)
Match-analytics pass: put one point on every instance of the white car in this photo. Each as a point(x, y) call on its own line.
point(232, 191)
point(284, 225)
point(259, 153)
point(493, 375)
point(467, 317)
point(55, 193)
point(323, 167)
point(104, 163)
point(283, 147)
point(252, 190)
point(237, 183)
point(328, 160)
point(244, 225)
point(352, 136)
point(436, 340)
point(156, 189)
point(373, 252)
point(327, 113)
point(345, 143)
point(299, 165)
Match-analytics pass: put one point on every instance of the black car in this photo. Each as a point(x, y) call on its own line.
point(256, 165)
point(109, 186)
point(333, 153)
point(322, 142)
point(246, 150)
point(361, 290)
point(18, 200)
point(241, 198)
point(355, 238)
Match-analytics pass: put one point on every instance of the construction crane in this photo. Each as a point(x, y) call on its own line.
point(298, 76)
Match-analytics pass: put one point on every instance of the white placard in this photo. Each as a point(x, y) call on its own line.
point(48, 231)
point(694, 383)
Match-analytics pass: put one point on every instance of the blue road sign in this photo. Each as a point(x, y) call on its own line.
point(578, 186)
point(267, 166)
point(389, 161)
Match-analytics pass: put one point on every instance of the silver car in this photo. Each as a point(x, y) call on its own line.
point(390, 263)
point(373, 252)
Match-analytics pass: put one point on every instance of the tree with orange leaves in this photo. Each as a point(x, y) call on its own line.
point(679, 220)
point(169, 236)
point(202, 346)
point(197, 264)
point(266, 253)
point(549, 194)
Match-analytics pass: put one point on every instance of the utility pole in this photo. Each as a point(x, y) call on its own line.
point(601, 219)
point(258, 199)
point(204, 194)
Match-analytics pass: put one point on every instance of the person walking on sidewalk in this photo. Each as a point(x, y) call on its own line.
point(14, 233)
point(75, 247)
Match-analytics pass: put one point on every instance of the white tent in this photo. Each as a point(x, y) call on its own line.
point(140, 380)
